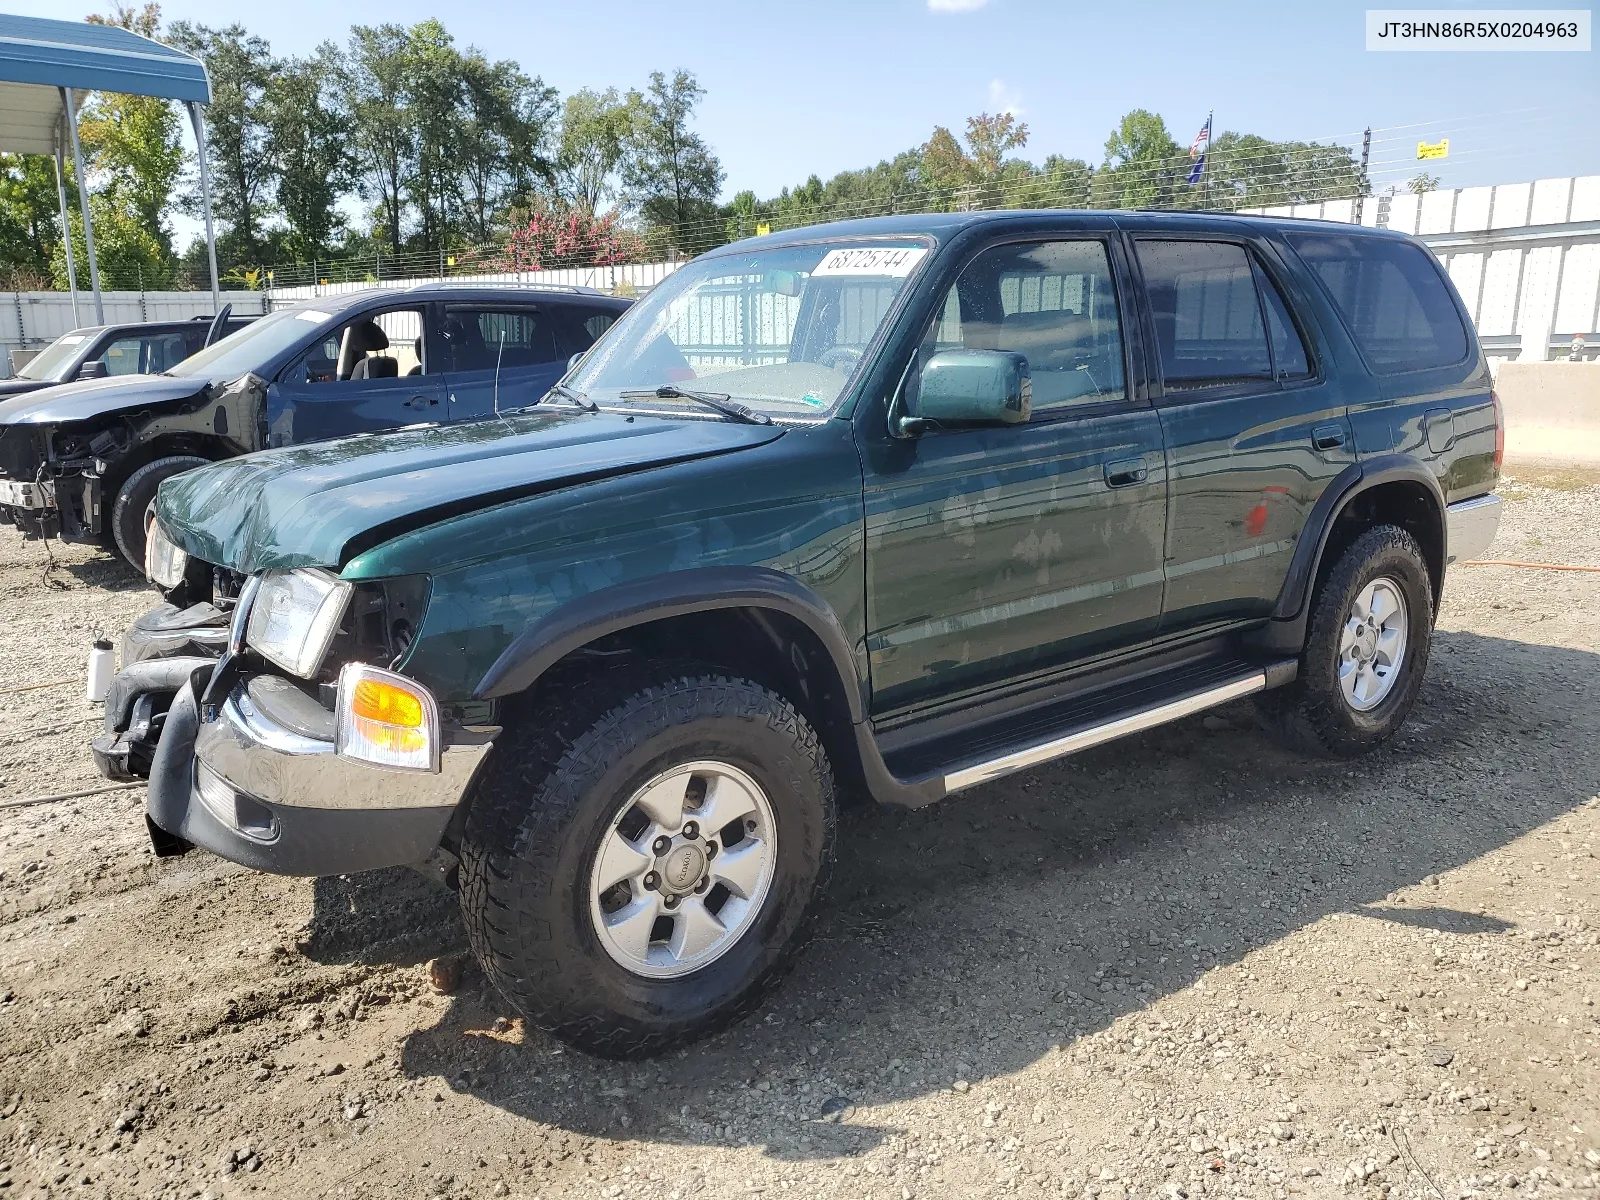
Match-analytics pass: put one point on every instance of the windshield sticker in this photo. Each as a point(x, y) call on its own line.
point(72, 339)
point(813, 400)
point(312, 315)
point(895, 262)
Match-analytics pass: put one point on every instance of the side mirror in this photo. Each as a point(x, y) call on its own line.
point(94, 369)
point(968, 387)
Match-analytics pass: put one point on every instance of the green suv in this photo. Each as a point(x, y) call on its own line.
point(892, 508)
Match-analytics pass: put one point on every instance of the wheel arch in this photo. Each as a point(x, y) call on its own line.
point(1396, 489)
point(167, 445)
point(755, 621)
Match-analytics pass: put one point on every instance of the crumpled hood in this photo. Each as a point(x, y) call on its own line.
point(83, 399)
point(318, 505)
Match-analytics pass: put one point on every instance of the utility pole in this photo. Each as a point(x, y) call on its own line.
point(1366, 156)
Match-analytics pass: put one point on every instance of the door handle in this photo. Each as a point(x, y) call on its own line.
point(1123, 472)
point(1327, 437)
point(421, 401)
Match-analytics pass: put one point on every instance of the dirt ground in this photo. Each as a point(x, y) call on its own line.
point(1185, 964)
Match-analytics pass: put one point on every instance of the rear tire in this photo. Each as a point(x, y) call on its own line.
point(138, 492)
point(557, 813)
point(1349, 698)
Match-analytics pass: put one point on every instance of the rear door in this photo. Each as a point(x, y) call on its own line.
point(1399, 308)
point(1253, 419)
point(499, 356)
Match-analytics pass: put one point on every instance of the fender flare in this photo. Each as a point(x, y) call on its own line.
point(1336, 497)
point(677, 593)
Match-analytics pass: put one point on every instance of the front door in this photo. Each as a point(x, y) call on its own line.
point(1255, 425)
point(373, 373)
point(502, 356)
point(1005, 553)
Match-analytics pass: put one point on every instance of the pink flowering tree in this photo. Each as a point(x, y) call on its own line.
point(570, 238)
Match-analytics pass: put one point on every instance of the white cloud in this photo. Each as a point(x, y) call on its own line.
point(1003, 99)
point(955, 5)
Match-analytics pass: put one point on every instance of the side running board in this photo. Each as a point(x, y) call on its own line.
point(1104, 731)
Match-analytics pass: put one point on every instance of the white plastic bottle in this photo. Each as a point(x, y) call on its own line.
point(102, 665)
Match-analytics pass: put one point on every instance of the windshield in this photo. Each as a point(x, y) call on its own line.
point(51, 362)
point(255, 344)
point(779, 330)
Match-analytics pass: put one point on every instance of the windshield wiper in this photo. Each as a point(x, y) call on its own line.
point(720, 401)
point(572, 396)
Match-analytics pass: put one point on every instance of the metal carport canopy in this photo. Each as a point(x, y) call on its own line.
point(47, 66)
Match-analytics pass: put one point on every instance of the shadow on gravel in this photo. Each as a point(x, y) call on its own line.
point(963, 940)
point(395, 916)
point(106, 569)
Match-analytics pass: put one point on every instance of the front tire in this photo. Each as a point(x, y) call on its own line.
point(131, 511)
point(1366, 650)
point(638, 871)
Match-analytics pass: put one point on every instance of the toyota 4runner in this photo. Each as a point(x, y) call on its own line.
point(895, 507)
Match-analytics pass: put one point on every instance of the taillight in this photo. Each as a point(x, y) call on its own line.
point(1499, 430)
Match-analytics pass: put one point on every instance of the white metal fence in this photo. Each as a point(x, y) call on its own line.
point(641, 277)
point(32, 320)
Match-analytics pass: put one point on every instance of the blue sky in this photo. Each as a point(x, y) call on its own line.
point(794, 89)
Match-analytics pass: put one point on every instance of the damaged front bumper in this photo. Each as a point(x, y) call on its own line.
point(255, 777)
point(158, 653)
point(260, 785)
point(65, 506)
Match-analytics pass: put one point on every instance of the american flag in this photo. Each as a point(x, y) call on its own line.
point(1197, 151)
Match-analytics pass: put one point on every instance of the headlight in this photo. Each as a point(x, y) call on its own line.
point(164, 563)
point(386, 719)
point(294, 617)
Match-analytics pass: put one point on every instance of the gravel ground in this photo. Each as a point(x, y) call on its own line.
point(1185, 964)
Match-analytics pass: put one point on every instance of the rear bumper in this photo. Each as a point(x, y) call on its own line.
point(1470, 526)
point(257, 792)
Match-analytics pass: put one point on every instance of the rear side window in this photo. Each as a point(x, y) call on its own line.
point(484, 339)
point(1288, 351)
point(584, 325)
point(1393, 298)
point(1207, 315)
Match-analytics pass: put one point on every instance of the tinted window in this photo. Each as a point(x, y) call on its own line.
point(1288, 350)
point(479, 339)
point(1392, 296)
point(1052, 302)
point(144, 355)
point(1207, 315)
point(581, 326)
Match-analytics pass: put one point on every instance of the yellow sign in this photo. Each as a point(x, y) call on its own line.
point(450, 260)
point(1439, 149)
point(763, 229)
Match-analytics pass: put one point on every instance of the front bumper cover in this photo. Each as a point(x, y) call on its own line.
point(258, 791)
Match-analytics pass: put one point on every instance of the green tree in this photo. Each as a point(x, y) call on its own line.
point(945, 169)
point(374, 78)
point(1246, 171)
point(308, 138)
point(30, 230)
point(241, 68)
point(129, 255)
point(671, 173)
point(596, 128)
point(133, 146)
point(1423, 182)
point(504, 129)
point(434, 87)
point(1142, 164)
